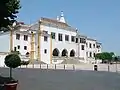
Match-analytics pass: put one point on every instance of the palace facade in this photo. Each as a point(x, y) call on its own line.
point(49, 41)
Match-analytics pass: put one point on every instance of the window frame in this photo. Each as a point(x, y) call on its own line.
point(72, 38)
point(66, 37)
point(25, 47)
point(45, 51)
point(53, 35)
point(45, 38)
point(60, 37)
point(82, 47)
point(25, 37)
point(17, 36)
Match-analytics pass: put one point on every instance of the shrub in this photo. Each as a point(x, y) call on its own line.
point(12, 61)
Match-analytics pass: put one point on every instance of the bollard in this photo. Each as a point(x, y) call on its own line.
point(55, 66)
point(33, 65)
point(40, 66)
point(108, 68)
point(26, 66)
point(64, 67)
point(73, 67)
point(47, 66)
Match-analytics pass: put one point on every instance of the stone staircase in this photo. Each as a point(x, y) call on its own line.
point(72, 60)
point(38, 62)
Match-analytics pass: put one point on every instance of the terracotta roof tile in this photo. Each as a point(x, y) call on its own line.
point(53, 21)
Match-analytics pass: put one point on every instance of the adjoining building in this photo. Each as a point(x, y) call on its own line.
point(49, 41)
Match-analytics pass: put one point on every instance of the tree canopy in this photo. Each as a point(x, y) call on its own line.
point(8, 10)
point(12, 60)
point(104, 56)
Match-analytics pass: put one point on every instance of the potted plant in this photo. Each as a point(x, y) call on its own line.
point(12, 61)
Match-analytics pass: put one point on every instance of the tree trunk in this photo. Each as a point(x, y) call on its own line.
point(10, 72)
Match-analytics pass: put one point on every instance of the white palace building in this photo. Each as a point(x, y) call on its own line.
point(49, 41)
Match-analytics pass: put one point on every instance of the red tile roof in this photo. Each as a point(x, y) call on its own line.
point(47, 20)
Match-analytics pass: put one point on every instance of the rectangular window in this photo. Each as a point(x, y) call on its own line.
point(76, 40)
point(86, 44)
point(53, 35)
point(97, 46)
point(59, 37)
point(45, 51)
point(26, 37)
point(66, 37)
point(82, 40)
point(15, 49)
point(94, 54)
point(82, 47)
point(25, 47)
point(87, 54)
point(90, 45)
point(45, 38)
point(18, 36)
point(94, 45)
point(18, 46)
point(72, 38)
point(90, 54)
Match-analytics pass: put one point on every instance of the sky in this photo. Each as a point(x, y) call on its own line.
point(98, 19)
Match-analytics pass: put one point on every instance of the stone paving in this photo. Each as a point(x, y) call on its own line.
point(37, 79)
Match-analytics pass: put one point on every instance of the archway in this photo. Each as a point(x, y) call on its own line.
point(72, 53)
point(64, 52)
point(55, 52)
point(27, 54)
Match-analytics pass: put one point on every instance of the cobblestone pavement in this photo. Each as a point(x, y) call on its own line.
point(36, 79)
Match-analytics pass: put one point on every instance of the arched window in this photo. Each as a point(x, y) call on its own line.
point(90, 54)
point(72, 53)
point(27, 54)
point(64, 52)
point(55, 52)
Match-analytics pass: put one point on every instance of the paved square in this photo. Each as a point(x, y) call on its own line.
point(36, 79)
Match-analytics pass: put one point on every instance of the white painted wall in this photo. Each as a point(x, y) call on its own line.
point(92, 49)
point(82, 52)
point(22, 43)
point(5, 42)
point(45, 57)
point(2, 59)
point(60, 45)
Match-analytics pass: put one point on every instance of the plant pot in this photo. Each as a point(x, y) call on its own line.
point(11, 86)
point(7, 83)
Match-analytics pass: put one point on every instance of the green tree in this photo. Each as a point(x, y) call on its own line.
point(15, 52)
point(112, 53)
point(8, 10)
point(115, 58)
point(12, 61)
point(104, 56)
